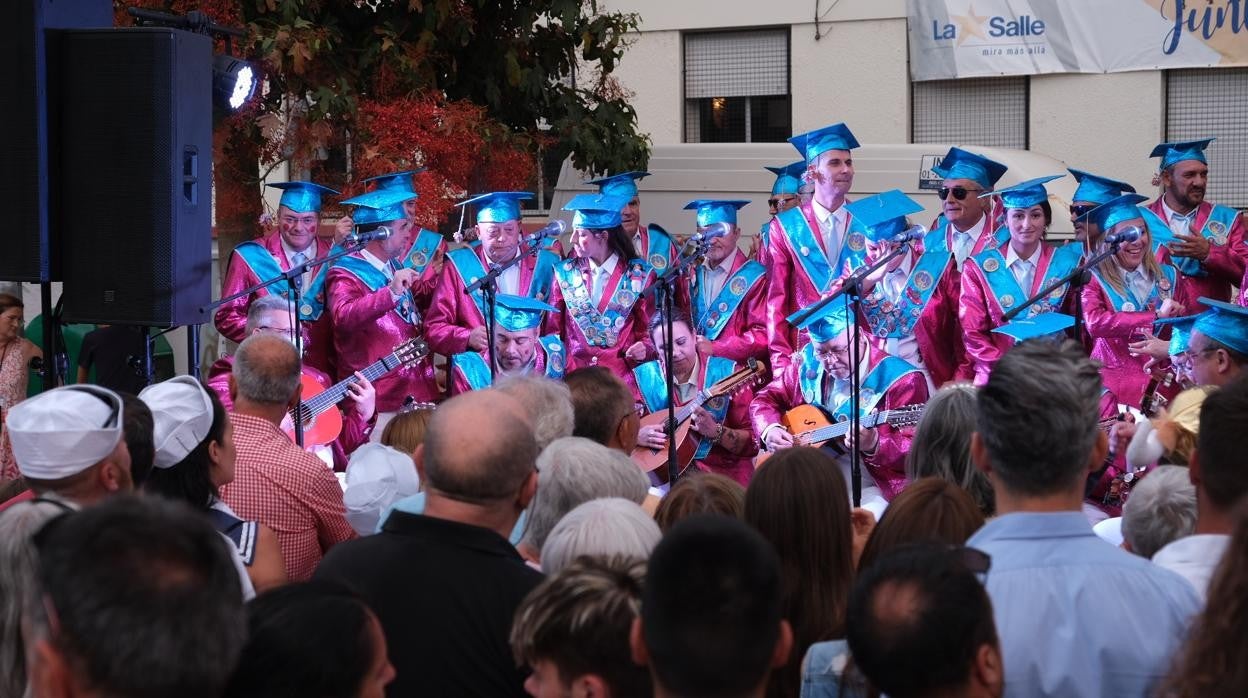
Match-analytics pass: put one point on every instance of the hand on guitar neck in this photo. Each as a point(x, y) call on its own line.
point(807, 425)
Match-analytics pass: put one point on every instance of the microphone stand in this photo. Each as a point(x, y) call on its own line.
point(488, 285)
point(293, 277)
point(851, 289)
point(665, 286)
point(1077, 279)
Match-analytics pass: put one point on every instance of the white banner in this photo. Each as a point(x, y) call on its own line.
point(982, 38)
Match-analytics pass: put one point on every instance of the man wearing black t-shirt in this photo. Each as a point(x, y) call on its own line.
point(446, 584)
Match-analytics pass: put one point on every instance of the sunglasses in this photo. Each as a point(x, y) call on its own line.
point(1081, 210)
point(959, 193)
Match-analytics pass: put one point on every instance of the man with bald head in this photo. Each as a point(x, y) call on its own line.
point(446, 584)
point(275, 482)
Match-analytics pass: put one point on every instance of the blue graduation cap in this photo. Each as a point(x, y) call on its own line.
point(1180, 331)
point(788, 178)
point(397, 181)
point(1024, 194)
point(1097, 189)
point(517, 313)
point(827, 324)
point(623, 184)
point(596, 211)
point(1171, 153)
point(835, 137)
point(963, 164)
point(884, 214)
point(1042, 325)
point(1225, 324)
point(1116, 210)
point(498, 206)
point(712, 211)
point(302, 197)
point(379, 206)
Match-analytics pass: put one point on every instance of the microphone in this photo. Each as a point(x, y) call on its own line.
point(712, 231)
point(1127, 235)
point(378, 233)
point(554, 228)
point(914, 232)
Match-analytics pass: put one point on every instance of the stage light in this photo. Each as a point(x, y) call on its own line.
point(233, 81)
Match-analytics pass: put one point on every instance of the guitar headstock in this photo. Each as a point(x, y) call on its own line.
point(907, 416)
point(411, 351)
point(748, 375)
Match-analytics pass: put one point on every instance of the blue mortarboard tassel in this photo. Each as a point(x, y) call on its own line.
point(963, 164)
point(1170, 153)
point(1025, 194)
point(1097, 189)
point(814, 143)
point(788, 178)
point(1225, 324)
point(884, 214)
point(1116, 210)
point(518, 313)
point(302, 197)
point(379, 206)
point(498, 206)
point(596, 211)
point(711, 211)
point(623, 184)
point(397, 181)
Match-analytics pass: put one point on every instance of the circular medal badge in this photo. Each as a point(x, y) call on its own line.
point(867, 395)
point(1164, 285)
point(305, 310)
point(619, 323)
point(658, 261)
point(556, 363)
point(857, 242)
point(419, 259)
point(627, 298)
point(1218, 228)
point(722, 307)
point(991, 265)
point(737, 286)
point(1007, 301)
point(804, 251)
point(916, 312)
point(923, 280)
point(1128, 307)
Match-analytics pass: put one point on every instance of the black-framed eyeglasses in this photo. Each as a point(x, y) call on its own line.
point(1081, 210)
point(959, 193)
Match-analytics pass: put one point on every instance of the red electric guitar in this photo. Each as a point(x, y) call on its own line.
point(321, 424)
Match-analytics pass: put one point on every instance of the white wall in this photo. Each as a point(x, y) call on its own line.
point(1106, 124)
point(856, 73)
point(652, 71)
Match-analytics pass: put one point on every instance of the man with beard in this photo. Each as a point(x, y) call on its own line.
point(518, 348)
point(1208, 246)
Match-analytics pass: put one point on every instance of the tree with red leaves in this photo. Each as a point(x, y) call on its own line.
point(471, 90)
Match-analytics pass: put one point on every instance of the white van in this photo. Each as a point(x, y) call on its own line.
point(682, 172)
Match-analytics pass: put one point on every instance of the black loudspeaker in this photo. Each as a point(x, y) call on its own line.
point(136, 172)
point(27, 55)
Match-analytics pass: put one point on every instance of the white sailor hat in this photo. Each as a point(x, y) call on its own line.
point(377, 476)
point(64, 431)
point(181, 418)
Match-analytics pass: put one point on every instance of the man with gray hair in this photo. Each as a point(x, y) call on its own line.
point(275, 482)
point(1162, 509)
point(446, 584)
point(600, 528)
point(548, 404)
point(1037, 439)
point(273, 314)
point(572, 471)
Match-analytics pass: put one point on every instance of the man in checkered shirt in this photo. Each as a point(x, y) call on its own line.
point(275, 482)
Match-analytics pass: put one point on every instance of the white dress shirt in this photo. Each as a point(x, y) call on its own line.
point(1180, 223)
point(831, 228)
point(599, 275)
point(716, 276)
point(1194, 558)
point(964, 242)
point(1022, 273)
point(1139, 284)
point(309, 254)
point(508, 281)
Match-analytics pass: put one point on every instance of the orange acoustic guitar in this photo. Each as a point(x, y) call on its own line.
point(687, 442)
point(321, 424)
point(810, 426)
